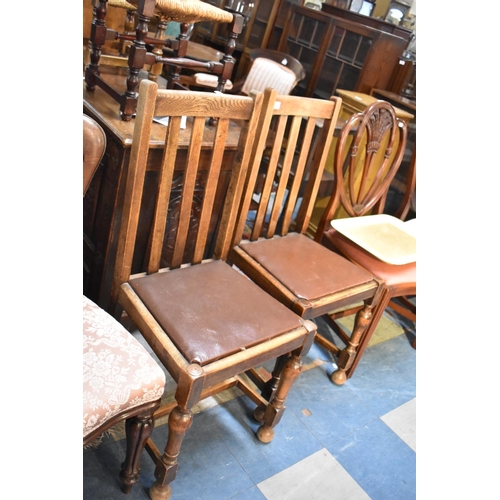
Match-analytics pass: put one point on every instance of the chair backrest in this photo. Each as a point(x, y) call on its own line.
point(410, 195)
point(287, 163)
point(94, 144)
point(274, 69)
point(368, 154)
point(194, 206)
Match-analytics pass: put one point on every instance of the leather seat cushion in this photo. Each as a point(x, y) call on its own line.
point(118, 372)
point(211, 310)
point(308, 269)
point(393, 275)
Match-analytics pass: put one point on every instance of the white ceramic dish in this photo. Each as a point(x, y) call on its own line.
point(384, 236)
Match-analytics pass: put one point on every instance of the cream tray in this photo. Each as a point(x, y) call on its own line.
point(386, 237)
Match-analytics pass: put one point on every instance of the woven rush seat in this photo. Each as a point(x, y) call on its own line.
point(189, 11)
point(118, 373)
point(122, 4)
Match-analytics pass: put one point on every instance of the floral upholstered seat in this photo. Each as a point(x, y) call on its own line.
point(118, 373)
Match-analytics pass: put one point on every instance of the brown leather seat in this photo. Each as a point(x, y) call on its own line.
point(310, 271)
point(236, 314)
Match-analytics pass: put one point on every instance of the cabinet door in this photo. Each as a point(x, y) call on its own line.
point(306, 36)
point(343, 63)
point(337, 53)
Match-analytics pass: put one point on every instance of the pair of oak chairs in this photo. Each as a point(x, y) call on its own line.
point(216, 312)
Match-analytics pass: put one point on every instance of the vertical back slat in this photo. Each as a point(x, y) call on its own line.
point(291, 144)
point(188, 191)
point(164, 189)
point(210, 189)
point(270, 175)
point(259, 146)
point(298, 178)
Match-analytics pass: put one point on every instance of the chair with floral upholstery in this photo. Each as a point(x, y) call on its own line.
point(121, 380)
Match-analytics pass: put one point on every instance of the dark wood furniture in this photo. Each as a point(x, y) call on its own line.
point(276, 254)
point(207, 323)
point(376, 133)
point(338, 53)
point(103, 202)
point(373, 22)
point(268, 20)
point(188, 11)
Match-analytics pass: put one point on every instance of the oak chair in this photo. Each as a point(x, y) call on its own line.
point(207, 323)
point(276, 253)
point(184, 11)
point(269, 68)
point(368, 154)
point(132, 389)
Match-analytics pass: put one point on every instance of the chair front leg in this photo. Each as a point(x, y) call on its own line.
point(138, 429)
point(270, 387)
point(188, 393)
point(275, 409)
point(348, 354)
point(179, 421)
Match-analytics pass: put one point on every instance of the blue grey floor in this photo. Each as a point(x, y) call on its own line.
point(352, 442)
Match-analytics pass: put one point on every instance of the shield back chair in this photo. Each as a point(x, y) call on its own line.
point(132, 390)
point(269, 68)
point(207, 323)
point(373, 143)
point(276, 253)
point(186, 12)
point(404, 304)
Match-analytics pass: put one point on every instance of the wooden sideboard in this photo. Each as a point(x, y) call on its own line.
point(102, 205)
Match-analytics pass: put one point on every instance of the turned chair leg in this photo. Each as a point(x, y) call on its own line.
point(348, 354)
point(188, 393)
point(179, 421)
point(138, 429)
point(276, 408)
point(365, 324)
point(136, 60)
point(97, 40)
point(270, 387)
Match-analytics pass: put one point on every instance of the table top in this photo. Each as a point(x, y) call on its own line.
point(359, 98)
point(201, 52)
point(398, 99)
point(103, 108)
